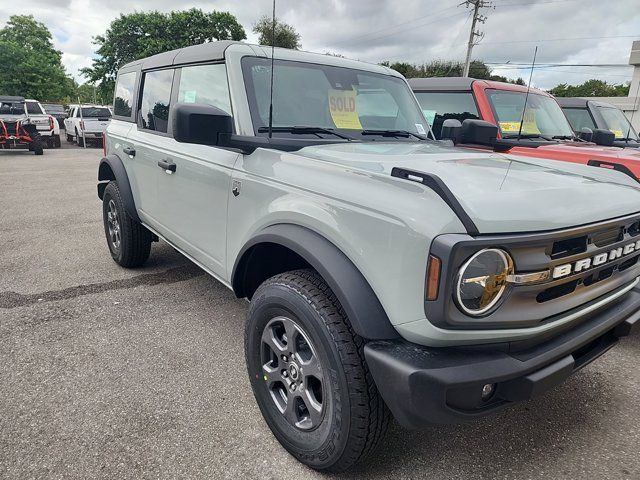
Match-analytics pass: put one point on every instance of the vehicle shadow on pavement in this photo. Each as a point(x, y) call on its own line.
point(526, 439)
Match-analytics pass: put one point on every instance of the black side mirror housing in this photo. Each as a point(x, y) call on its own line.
point(586, 134)
point(478, 132)
point(200, 124)
point(603, 137)
point(451, 129)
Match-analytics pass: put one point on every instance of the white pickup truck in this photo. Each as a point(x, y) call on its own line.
point(46, 125)
point(86, 123)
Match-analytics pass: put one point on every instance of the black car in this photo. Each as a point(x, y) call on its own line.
point(56, 111)
point(584, 113)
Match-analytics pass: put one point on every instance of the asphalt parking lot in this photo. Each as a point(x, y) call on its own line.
point(113, 373)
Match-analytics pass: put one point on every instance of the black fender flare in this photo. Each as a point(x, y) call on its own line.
point(112, 168)
point(360, 303)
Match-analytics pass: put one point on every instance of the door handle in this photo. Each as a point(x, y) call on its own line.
point(167, 166)
point(129, 151)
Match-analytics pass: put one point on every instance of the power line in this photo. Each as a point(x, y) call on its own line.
point(550, 65)
point(430, 15)
point(561, 39)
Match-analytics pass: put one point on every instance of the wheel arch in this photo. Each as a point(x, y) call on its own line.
point(111, 168)
point(283, 247)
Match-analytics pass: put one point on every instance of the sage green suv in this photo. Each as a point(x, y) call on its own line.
point(387, 273)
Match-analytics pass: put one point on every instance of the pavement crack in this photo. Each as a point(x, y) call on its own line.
point(177, 274)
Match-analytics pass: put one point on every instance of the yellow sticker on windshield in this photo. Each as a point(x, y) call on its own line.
point(344, 110)
point(618, 133)
point(528, 127)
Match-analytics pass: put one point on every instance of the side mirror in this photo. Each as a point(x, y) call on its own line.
point(604, 137)
point(586, 134)
point(451, 129)
point(200, 124)
point(478, 132)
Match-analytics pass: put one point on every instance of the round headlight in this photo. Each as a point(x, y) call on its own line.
point(482, 281)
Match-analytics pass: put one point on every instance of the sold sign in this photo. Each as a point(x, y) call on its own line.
point(344, 109)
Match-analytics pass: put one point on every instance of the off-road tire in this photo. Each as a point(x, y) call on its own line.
point(37, 146)
point(134, 239)
point(354, 418)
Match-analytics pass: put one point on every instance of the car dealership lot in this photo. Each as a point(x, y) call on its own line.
point(117, 373)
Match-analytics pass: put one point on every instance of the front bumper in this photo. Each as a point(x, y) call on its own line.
point(427, 385)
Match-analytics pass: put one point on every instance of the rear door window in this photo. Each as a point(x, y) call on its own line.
point(205, 85)
point(123, 100)
point(440, 106)
point(155, 101)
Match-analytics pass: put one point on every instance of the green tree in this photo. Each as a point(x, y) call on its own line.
point(590, 88)
point(31, 66)
point(142, 34)
point(443, 68)
point(285, 35)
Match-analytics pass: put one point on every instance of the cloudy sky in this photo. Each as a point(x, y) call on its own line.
point(566, 31)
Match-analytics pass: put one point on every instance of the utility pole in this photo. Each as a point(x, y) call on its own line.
point(473, 35)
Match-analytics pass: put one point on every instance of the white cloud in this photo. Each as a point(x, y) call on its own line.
point(412, 30)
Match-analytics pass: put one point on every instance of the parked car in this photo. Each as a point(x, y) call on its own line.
point(46, 124)
point(583, 113)
point(57, 111)
point(545, 132)
point(386, 272)
point(16, 128)
point(86, 123)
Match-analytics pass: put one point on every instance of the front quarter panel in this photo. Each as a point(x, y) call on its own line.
point(382, 224)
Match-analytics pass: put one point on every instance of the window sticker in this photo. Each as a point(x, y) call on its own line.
point(618, 133)
point(421, 129)
point(343, 109)
point(429, 115)
point(528, 127)
point(190, 96)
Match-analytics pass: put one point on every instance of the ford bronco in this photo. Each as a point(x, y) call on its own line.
point(542, 132)
point(584, 113)
point(387, 273)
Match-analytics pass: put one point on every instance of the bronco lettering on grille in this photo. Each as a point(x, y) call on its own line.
point(595, 261)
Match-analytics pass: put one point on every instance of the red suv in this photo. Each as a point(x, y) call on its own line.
point(542, 132)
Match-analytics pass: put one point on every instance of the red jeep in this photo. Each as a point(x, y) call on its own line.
point(16, 130)
point(542, 132)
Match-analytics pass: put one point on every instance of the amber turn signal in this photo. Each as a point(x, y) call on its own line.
point(433, 277)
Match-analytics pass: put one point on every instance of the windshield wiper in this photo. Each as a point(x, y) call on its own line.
point(564, 137)
point(302, 130)
point(394, 133)
point(528, 136)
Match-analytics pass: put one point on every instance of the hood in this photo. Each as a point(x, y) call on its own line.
point(591, 149)
point(500, 193)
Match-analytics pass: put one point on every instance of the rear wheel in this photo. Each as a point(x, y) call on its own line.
point(79, 139)
point(37, 146)
point(129, 241)
point(308, 374)
point(69, 137)
point(56, 141)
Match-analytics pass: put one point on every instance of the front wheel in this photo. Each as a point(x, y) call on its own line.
point(308, 374)
point(129, 241)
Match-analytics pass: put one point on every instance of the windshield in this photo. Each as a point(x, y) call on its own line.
point(615, 121)
point(94, 112)
point(9, 108)
point(321, 96)
point(53, 108)
point(543, 116)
